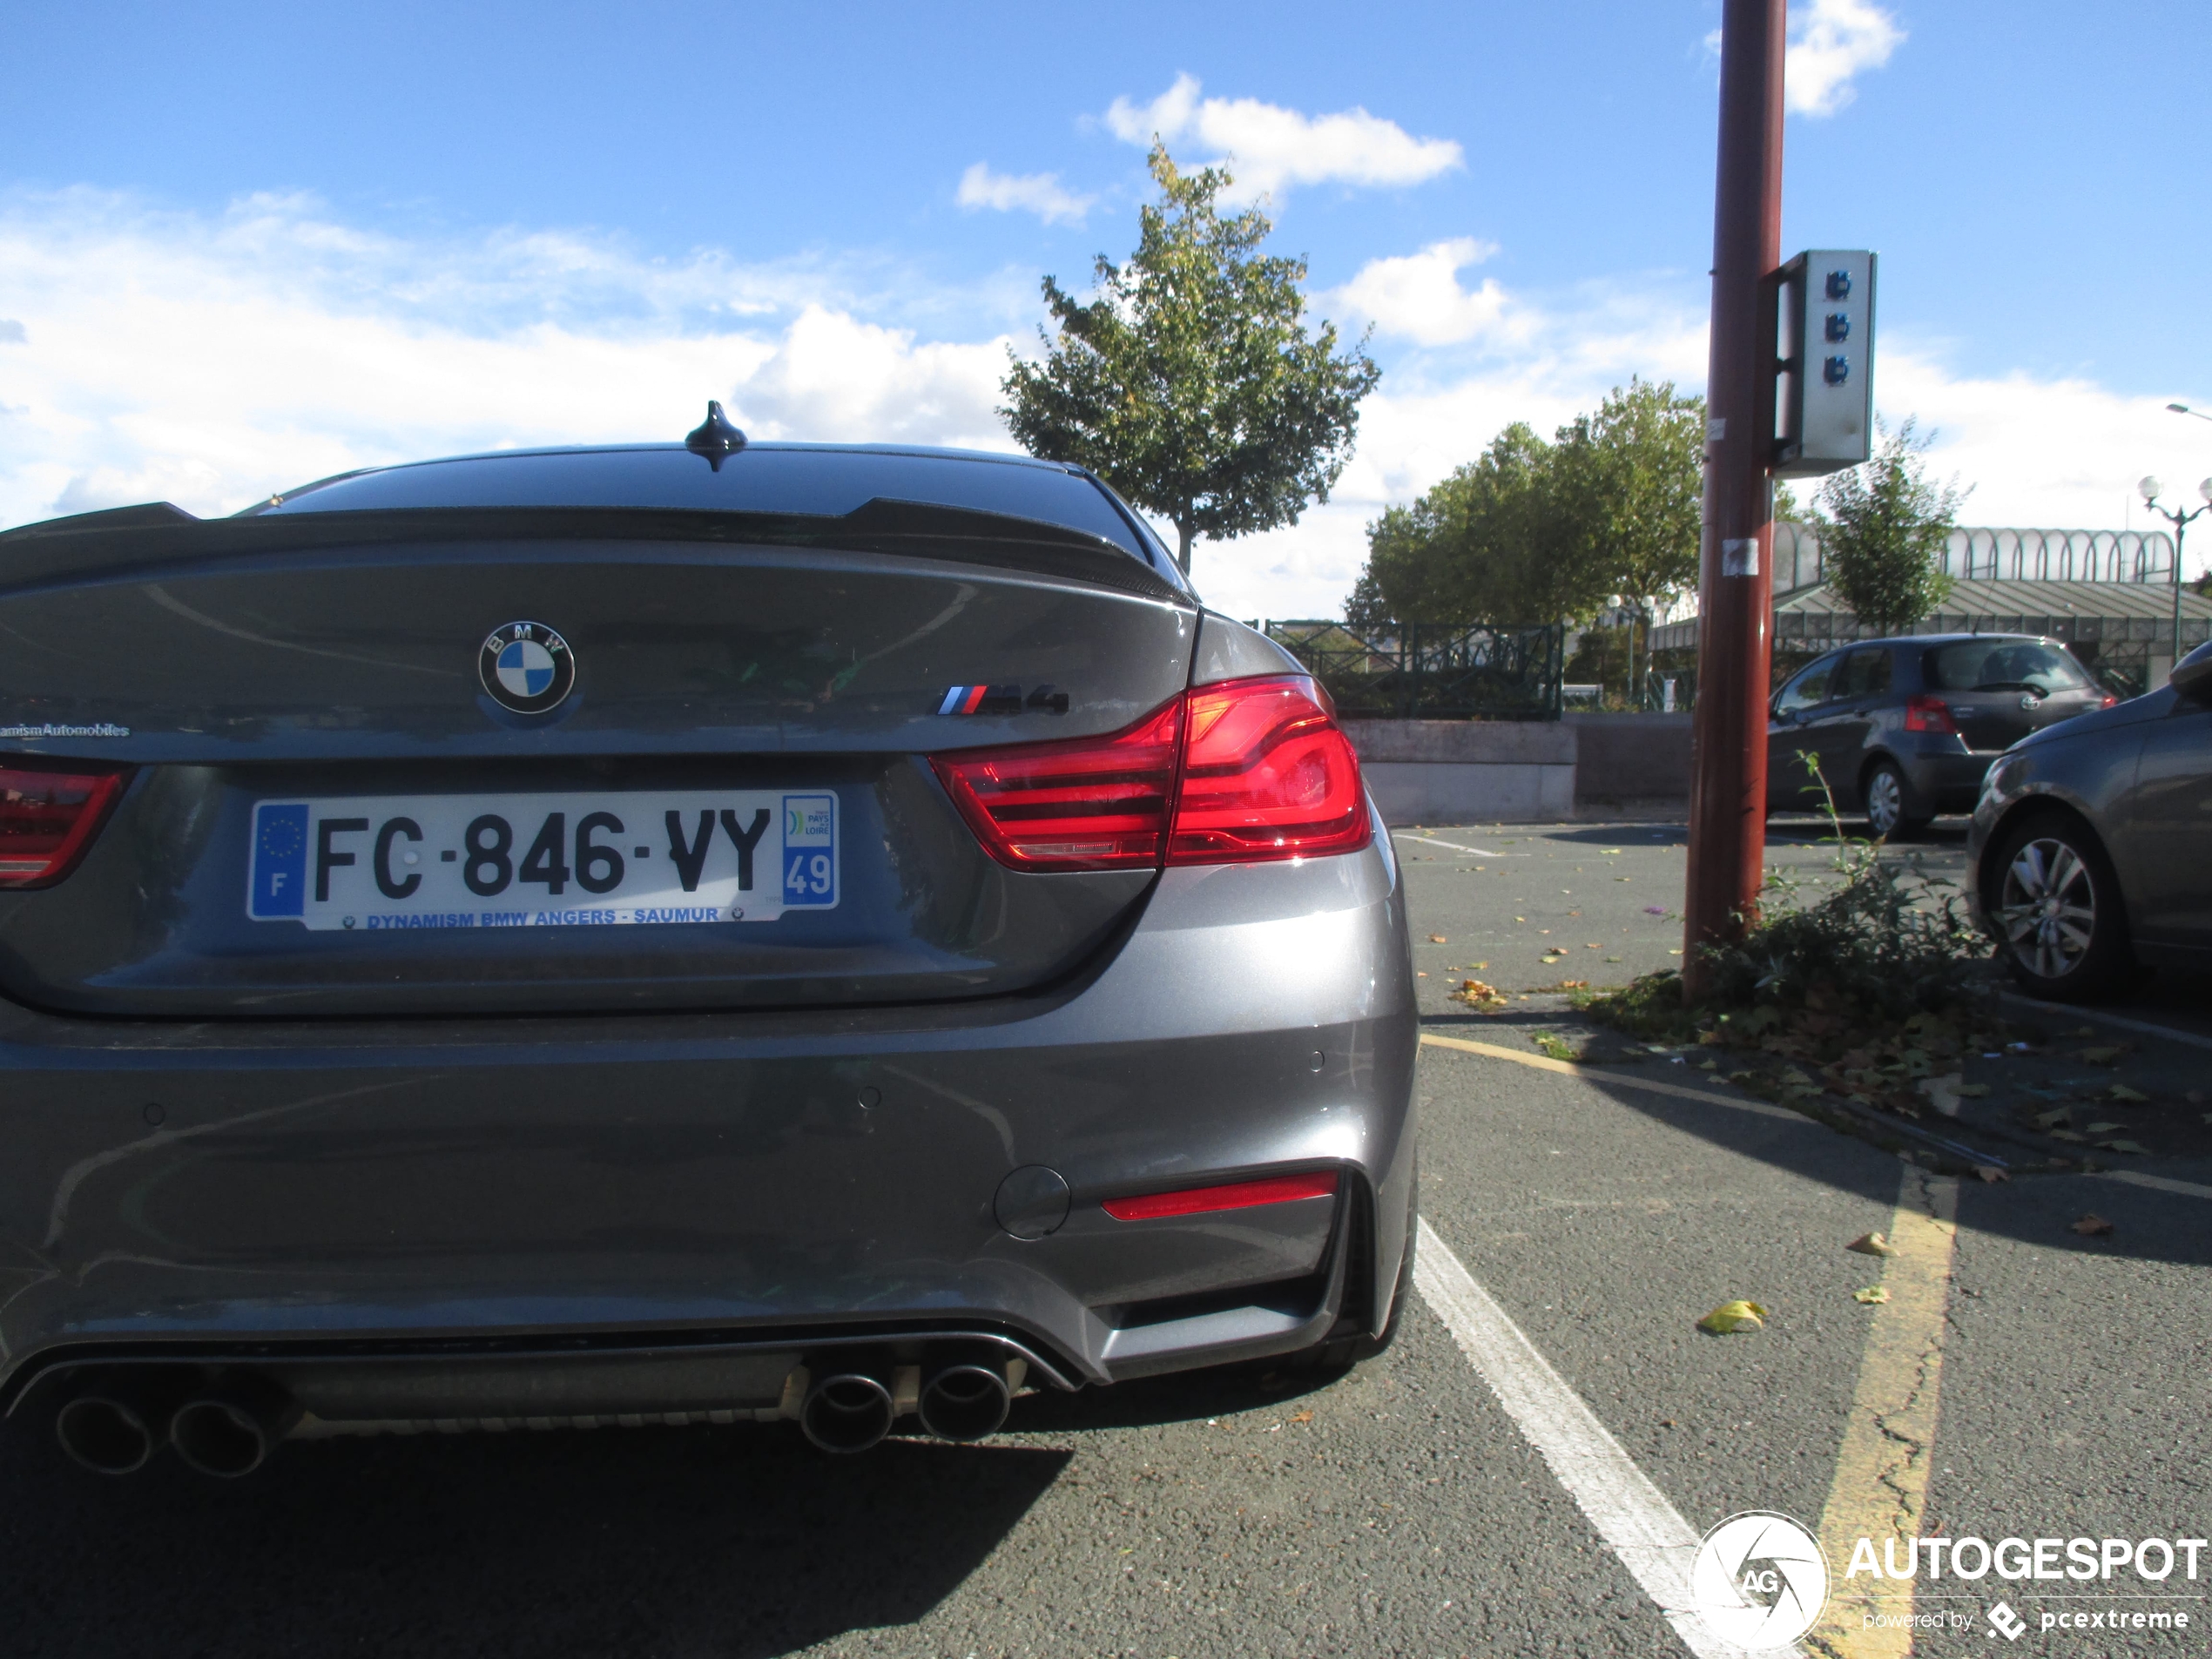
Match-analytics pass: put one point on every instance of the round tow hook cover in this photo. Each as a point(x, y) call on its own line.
point(1031, 1202)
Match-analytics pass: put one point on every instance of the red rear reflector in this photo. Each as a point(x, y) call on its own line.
point(1267, 774)
point(1086, 803)
point(1252, 769)
point(1238, 1195)
point(1929, 714)
point(47, 818)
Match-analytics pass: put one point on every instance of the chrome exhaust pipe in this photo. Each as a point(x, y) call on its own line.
point(965, 1402)
point(848, 1412)
point(231, 1434)
point(103, 1435)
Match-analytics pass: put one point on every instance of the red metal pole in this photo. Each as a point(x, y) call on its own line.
point(1736, 575)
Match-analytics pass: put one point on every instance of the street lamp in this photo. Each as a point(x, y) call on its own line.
point(2181, 521)
point(2183, 408)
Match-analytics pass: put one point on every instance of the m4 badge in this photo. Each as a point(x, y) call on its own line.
point(1002, 699)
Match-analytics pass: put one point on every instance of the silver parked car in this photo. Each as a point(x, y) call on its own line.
point(680, 932)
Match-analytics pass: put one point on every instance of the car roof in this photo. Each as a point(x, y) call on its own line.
point(1933, 639)
point(827, 480)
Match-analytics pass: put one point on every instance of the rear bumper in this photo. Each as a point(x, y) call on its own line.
point(745, 1183)
point(1948, 781)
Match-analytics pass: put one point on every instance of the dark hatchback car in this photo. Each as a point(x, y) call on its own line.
point(2092, 845)
point(1904, 729)
point(672, 933)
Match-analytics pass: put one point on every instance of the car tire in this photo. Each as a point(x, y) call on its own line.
point(1888, 799)
point(2055, 908)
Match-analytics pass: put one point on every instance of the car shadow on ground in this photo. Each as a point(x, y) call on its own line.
point(2033, 1208)
point(738, 1543)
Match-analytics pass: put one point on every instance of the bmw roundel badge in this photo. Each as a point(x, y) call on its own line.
point(526, 667)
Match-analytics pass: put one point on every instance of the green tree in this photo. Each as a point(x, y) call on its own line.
point(1191, 383)
point(1630, 483)
point(1883, 528)
point(1494, 542)
point(1533, 531)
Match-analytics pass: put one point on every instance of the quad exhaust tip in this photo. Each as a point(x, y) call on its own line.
point(965, 1402)
point(849, 1411)
point(105, 1435)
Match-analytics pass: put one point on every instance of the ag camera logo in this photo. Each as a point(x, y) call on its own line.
point(1759, 1580)
point(526, 667)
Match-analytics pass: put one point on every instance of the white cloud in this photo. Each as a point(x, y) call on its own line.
point(208, 362)
point(1269, 148)
point(1832, 42)
point(1041, 193)
point(1417, 296)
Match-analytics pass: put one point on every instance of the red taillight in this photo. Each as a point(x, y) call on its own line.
point(1087, 803)
point(1924, 714)
point(1237, 1194)
point(1245, 770)
point(47, 817)
point(2110, 702)
point(1267, 774)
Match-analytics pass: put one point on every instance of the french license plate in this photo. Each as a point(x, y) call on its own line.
point(633, 859)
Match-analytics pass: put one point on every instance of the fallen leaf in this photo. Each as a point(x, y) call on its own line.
point(1972, 1091)
point(1438, 939)
point(2055, 1115)
point(2083, 1031)
point(2093, 1226)
point(2102, 1056)
point(2065, 1135)
point(1872, 1244)
point(2105, 1128)
point(2120, 1091)
point(1480, 966)
point(1301, 1417)
point(1733, 1316)
point(1875, 1294)
point(1991, 1173)
point(1419, 975)
point(2135, 1148)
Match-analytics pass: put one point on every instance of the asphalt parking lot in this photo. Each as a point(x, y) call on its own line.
point(2025, 1379)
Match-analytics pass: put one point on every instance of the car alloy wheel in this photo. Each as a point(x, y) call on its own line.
point(1887, 815)
point(2048, 908)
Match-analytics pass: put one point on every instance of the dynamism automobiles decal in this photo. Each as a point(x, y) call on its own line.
point(526, 667)
point(1002, 699)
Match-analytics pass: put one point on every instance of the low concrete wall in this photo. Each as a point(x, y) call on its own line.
point(1622, 758)
point(1525, 771)
point(1499, 771)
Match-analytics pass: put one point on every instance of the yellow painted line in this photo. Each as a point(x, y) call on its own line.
point(1607, 1075)
point(1881, 1487)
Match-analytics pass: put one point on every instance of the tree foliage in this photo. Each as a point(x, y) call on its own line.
point(1883, 528)
point(1191, 383)
point(1532, 531)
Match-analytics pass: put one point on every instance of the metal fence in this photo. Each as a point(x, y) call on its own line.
point(1418, 671)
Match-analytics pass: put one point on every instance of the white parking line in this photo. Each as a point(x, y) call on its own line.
point(1632, 1515)
point(2148, 1027)
point(1430, 841)
point(2157, 1183)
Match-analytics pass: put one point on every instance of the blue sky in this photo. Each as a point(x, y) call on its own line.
point(244, 245)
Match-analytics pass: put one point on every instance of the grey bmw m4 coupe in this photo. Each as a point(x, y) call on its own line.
point(672, 933)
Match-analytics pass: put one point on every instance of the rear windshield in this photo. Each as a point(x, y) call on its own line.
point(762, 478)
point(2004, 665)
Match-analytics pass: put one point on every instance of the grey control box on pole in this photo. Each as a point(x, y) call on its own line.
point(1824, 400)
